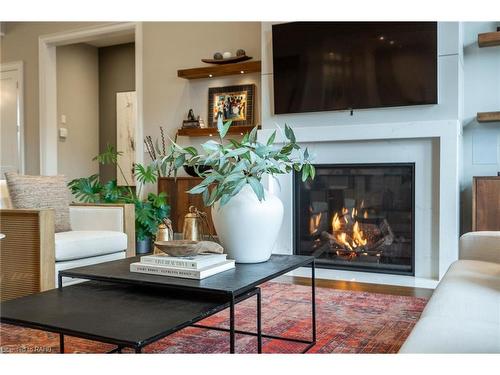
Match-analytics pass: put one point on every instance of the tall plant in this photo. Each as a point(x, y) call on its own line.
point(236, 163)
point(149, 212)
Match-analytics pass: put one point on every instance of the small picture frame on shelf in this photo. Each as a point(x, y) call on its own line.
point(234, 103)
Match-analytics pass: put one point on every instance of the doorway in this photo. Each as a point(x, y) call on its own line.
point(11, 122)
point(49, 120)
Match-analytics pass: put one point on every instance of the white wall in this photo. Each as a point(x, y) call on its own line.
point(481, 94)
point(449, 70)
point(78, 100)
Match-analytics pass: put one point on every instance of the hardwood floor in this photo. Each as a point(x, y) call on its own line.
point(360, 287)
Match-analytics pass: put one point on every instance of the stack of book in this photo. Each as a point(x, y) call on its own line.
point(189, 267)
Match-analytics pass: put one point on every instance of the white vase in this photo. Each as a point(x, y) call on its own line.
point(247, 228)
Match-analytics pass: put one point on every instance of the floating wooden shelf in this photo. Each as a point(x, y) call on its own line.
point(208, 132)
point(488, 116)
point(489, 39)
point(220, 70)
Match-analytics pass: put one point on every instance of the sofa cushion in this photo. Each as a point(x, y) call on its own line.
point(41, 192)
point(88, 243)
point(469, 290)
point(448, 335)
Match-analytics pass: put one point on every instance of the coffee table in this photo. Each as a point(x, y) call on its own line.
point(193, 299)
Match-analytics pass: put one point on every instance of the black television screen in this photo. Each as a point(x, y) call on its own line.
point(324, 66)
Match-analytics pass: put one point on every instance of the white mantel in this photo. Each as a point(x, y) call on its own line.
point(434, 147)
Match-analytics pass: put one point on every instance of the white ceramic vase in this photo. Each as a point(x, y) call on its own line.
point(247, 228)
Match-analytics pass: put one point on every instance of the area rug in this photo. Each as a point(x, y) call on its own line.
point(347, 322)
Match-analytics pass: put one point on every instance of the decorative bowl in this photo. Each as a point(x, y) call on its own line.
point(184, 248)
point(178, 248)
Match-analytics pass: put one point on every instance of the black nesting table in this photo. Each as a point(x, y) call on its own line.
point(133, 310)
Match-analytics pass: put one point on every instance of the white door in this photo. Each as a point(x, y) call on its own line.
point(10, 123)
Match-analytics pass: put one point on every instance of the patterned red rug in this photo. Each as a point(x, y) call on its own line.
point(347, 322)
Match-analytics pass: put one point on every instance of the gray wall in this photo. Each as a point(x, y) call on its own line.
point(116, 74)
point(77, 99)
point(21, 43)
point(481, 141)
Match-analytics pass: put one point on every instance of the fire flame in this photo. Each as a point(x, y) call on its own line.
point(356, 237)
point(314, 222)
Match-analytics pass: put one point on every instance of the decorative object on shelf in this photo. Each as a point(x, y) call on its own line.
point(241, 52)
point(227, 58)
point(183, 248)
point(149, 212)
point(192, 121)
point(247, 217)
point(202, 123)
point(233, 103)
point(195, 225)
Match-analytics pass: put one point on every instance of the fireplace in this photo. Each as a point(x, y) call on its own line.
point(357, 217)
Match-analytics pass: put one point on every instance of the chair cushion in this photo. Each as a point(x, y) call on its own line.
point(81, 244)
point(41, 192)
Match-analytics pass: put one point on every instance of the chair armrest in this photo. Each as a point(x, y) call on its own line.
point(103, 216)
point(27, 256)
point(483, 246)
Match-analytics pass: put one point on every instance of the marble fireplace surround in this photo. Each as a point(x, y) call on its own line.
point(434, 148)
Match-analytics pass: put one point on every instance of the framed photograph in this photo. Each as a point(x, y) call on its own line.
point(234, 103)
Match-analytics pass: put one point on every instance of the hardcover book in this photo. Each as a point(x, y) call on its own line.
point(191, 262)
point(182, 272)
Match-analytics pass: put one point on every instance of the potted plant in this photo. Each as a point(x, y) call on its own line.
point(149, 212)
point(246, 216)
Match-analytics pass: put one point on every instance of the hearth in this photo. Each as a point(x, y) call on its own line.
point(357, 217)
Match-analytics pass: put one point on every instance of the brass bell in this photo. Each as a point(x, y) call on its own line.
point(193, 225)
point(165, 231)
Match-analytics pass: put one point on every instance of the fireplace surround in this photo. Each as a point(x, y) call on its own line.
point(357, 217)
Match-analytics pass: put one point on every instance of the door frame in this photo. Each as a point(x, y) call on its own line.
point(18, 67)
point(48, 120)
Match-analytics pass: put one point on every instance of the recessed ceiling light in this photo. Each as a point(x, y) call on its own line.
point(381, 37)
point(210, 76)
point(391, 42)
point(242, 72)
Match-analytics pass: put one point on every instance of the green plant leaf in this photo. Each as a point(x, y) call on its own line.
point(145, 174)
point(256, 187)
point(252, 137)
point(109, 156)
point(270, 141)
point(223, 127)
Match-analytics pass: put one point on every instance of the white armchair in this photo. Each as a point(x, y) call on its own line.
point(32, 253)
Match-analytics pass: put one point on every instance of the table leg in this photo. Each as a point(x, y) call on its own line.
point(61, 343)
point(59, 281)
point(138, 350)
point(259, 322)
point(231, 326)
point(313, 296)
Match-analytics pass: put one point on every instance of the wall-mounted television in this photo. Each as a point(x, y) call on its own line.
point(326, 66)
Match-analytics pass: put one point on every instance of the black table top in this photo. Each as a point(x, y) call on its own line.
point(120, 314)
point(235, 281)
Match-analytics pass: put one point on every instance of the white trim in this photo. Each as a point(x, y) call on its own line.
point(19, 67)
point(48, 84)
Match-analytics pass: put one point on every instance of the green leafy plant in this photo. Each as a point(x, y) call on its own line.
point(236, 163)
point(149, 213)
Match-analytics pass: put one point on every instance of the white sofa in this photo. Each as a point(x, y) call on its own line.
point(463, 314)
point(32, 253)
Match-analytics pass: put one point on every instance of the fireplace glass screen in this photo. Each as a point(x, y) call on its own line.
point(357, 217)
